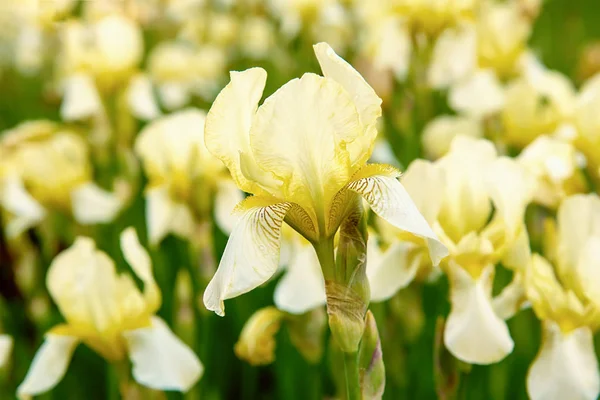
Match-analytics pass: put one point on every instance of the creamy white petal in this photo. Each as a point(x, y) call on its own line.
point(160, 359)
point(511, 188)
point(48, 366)
point(454, 57)
point(474, 333)
point(251, 255)
point(425, 183)
point(139, 260)
point(588, 269)
point(578, 219)
point(511, 299)
point(565, 367)
point(479, 95)
point(302, 288)
point(334, 67)
point(26, 211)
point(228, 196)
point(164, 216)
point(93, 205)
point(393, 270)
point(227, 127)
point(140, 98)
point(388, 199)
point(6, 345)
point(174, 95)
point(81, 98)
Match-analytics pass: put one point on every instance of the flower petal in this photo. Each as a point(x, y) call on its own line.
point(425, 184)
point(474, 333)
point(227, 197)
point(139, 260)
point(388, 199)
point(300, 134)
point(227, 126)
point(93, 205)
point(511, 188)
point(565, 367)
point(164, 216)
point(83, 283)
point(6, 345)
point(160, 359)
point(81, 98)
point(302, 288)
point(26, 211)
point(251, 255)
point(479, 95)
point(366, 100)
point(48, 366)
point(140, 98)
point(392, 270)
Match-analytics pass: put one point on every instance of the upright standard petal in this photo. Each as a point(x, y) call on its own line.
point(388, 199)
point(48, 366)
point(367, 103)
point(565, 367)
point(251, 255)
point(160, 359)
point(474, 333)
point(511, 188)
point(83, 283)
point(479, 95)
point(300, 134)
point(302, 288)
point(139, 260)
point(227, 126)
point(93, 205)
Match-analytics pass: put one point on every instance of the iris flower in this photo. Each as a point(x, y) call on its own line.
point(303, 155)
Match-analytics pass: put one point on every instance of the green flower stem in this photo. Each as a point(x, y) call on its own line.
point(352, 377)
point(325, 253)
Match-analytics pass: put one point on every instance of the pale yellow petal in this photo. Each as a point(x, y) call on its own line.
point(139, 260)
point(367, 103)
point(48, 366)
point(302, 288)
point(474, 333)
point(93, 205)
point(228, 122)
point(141, 99)
point(439, 133)
point(511, 299)
point(300, 134)
point(164, 216)
point(228, 196)
point(578, 219)
point(454, 57)
point(26, 211)
point(83, 283)
point(588, 269)
point(425, 183)
point(160, 359)
point(393, 270)
point(511, 188)
point(388, 199)
point(81, 98)
point(565, 367)
point(478, 95)
point(251, 255)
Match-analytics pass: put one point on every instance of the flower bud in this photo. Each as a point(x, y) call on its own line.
point(370, 361)
point(257, 341)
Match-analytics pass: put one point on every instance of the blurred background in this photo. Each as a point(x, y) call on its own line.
point(99, 72)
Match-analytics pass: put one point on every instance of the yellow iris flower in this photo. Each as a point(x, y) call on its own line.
point(565, 295)
point(107, 312)
point(302, 154)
